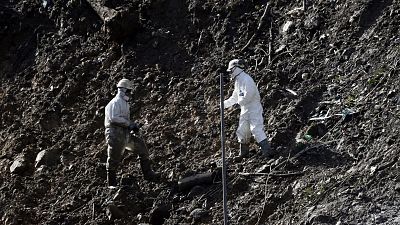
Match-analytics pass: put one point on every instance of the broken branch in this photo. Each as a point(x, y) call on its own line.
point(270, 44)
point(273, 174)
point(260, 23)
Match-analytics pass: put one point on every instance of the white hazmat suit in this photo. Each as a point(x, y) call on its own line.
point(247, 96)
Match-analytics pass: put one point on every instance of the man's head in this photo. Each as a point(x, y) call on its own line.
point(125, 86)
point(235, 66)
point(124, 83)
point(235, 63)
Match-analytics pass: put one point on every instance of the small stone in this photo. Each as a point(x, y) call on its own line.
point(159, 214)
point(196, 190)
point(20, 165)
point(397, 187)
point(129, 180)
point(198, 213)
point(47, 158)
point(120, 196)
point(114, 212)
point(287, 26)
point(264, 169)
point(66, 159)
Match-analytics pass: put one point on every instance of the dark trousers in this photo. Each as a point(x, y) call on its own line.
point(118, 139)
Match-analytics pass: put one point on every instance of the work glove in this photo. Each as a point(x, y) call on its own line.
point(133, 127)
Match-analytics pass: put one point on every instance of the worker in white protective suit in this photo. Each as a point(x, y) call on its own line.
point(251, 120)
point(118, 127)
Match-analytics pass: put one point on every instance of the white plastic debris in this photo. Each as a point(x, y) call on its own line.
point(286, 27)
point(291, 91)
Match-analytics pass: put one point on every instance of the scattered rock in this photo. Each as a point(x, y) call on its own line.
point(159, 213)
point(198, 179)
point(264, 169)
point(317, 130)
point(52, 92)
point(20, 165)
point(240, 185)
point(66, 158)
point(320, 214)
point(397, 188)
point(198, 213)
point(115, 212)
point(120, 196)
point(129, 180)
point(286, 28)
point(196, 190)
point(312, 22)
point(119, 23)
point(47, 158)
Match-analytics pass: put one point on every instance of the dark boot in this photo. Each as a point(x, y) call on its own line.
point(148, 173)
point(111, 178)
point(265, 148)
point(244, 152)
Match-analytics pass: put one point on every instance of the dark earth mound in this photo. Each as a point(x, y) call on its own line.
point(328, 73)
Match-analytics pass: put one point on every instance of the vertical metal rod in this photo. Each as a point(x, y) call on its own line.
point(224, 189)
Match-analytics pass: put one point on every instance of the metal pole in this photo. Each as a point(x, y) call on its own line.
point(224, 190)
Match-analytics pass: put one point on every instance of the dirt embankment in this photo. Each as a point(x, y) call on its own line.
point(328, 74)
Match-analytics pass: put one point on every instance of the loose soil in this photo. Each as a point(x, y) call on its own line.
point(329, 80)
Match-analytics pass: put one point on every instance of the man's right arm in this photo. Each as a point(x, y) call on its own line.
point(232, 100)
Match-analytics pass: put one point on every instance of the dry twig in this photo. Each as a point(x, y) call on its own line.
point(265, 199)
point(270, 44)
point(260, 23)
point(273, 174)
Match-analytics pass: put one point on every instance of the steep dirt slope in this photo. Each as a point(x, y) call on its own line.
point(59, 67)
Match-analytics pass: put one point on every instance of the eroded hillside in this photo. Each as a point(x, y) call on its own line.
point(328, 74)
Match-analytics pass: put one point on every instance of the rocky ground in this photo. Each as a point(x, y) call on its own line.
point(328, 73)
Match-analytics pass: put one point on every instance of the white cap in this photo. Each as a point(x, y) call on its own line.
point(235, 63)
point(124, 83)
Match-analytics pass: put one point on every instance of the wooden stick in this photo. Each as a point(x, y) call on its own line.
point(261, 49)
point(262, 17)
point(248, 43)
point(201, 35)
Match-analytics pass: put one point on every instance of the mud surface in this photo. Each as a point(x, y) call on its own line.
point(336, 137)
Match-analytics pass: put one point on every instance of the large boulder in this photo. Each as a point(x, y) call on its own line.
point(119, 22)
